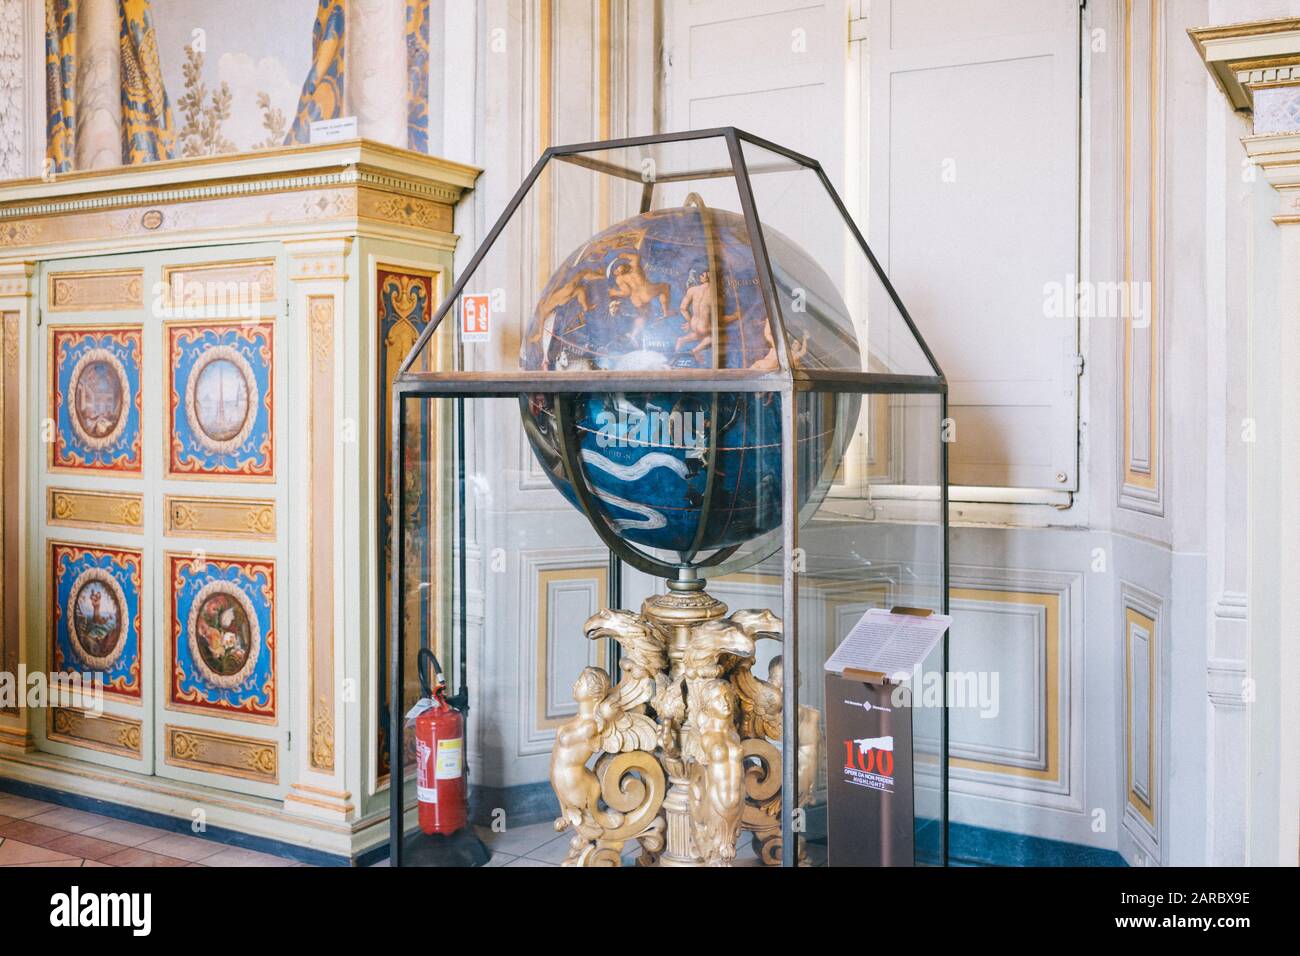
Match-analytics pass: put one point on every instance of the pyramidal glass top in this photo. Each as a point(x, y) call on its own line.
point(709, 255)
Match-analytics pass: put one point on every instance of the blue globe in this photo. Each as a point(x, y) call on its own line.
point(640, 296)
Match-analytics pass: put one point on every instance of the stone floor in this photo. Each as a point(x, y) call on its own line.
point(539, 845)
point(35, 833)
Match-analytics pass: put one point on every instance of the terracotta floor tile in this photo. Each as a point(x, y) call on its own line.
point(134, 856)
point(86, 847)
point(66, 818)
point(22, 807)
point(128, 834)
point(234, 856)
point(86, 863)
point(33, 833)
point(14, 852)
point(184, 847)
point(67, 863)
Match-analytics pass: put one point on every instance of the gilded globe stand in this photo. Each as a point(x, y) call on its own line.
point(684, 742)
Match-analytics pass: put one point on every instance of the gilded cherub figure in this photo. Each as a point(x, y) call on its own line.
point(759, 700)
point(610, 721)
point(717, 774)
point(809, 735)
point(576, 742)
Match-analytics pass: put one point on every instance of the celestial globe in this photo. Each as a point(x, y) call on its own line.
point(688, 472)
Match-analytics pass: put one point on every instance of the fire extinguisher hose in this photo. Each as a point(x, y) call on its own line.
point(424, 660)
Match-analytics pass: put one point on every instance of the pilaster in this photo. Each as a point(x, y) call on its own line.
point(17, 291)
point(1252, 684)
point(318, 271)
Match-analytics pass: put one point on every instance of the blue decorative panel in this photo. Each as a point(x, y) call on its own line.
point(95, 615)
point(95, 398)
point(221, 400)
point(222, 624)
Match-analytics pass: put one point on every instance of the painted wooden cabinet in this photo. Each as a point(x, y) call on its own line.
point(195, 357)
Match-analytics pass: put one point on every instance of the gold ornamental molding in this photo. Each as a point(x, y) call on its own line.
point(105, 510)
point(1242, 57)
point(11, 427)
point(108, 733)
point(208, 751)
point(190, 516)
point(289, 187)
point(1054, 652)
point(318, 259)
point(1142, 167)
point(15, 280)
point(405, 210)
point(320, 630)
point(219, 287)
point(1140, 629)
point(99, 291)
point(597, 575)
point(16, 737)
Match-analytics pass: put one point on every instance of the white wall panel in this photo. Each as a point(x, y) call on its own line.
point(973, 141)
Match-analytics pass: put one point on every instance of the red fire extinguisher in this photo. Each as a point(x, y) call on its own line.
point(439, 755)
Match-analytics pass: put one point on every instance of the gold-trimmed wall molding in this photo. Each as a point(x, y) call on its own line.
point(1143, 706)
point(1141, 382)
point(107, 510)
point(233, 756)
point(1044, 609)
point(16, 295)
point(1023, 628)
point(219, 288)
point(109, 290)
point(15, 287)
point(588, 584)
point(108, 733)
point(200, 516)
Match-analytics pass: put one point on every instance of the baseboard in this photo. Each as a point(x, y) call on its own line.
point(981, 846)
point(231, 819)
point(530, 803)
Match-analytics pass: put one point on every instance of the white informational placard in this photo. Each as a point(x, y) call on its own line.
point(332, 130)
point(888, 643)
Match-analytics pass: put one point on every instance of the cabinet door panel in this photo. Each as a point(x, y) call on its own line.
point(221, 572)
point(162, 486)
point(91, 601)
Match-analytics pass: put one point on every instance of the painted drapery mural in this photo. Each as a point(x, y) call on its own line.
point(198, 79)
point(322, 91)
point(417, 76)
point(60, 77)
point(146, 113)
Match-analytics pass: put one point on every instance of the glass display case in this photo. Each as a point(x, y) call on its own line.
point(670, 430)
